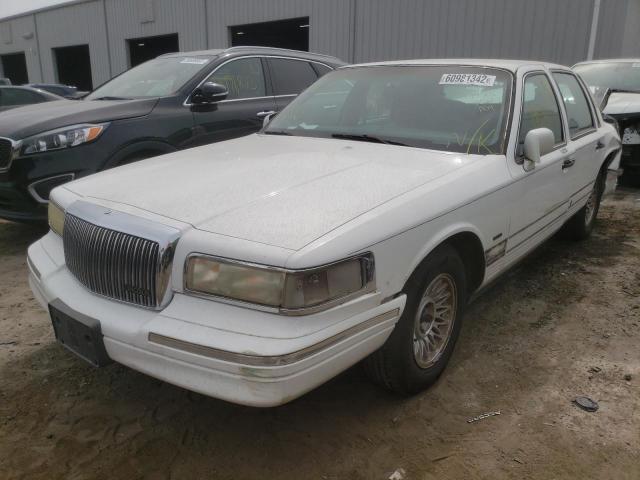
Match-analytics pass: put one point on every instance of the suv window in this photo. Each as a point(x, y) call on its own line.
point(321, 69)
point(540, 108)
point(11, 96)
point(578, 111)
point(290, 77)
point(244, 78)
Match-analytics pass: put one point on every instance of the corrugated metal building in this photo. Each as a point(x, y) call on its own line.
point(563, 31)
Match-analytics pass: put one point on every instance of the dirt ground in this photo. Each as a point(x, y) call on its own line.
point(566, 322)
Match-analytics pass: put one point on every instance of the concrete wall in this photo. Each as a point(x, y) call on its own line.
point(354, 30)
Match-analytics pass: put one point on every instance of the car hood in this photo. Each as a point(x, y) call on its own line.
point(281, 191)
point(620, 103)
point(40, 117)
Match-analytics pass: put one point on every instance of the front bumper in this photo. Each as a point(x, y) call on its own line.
point(192, 343)
point(630, 159)
point(25, 187)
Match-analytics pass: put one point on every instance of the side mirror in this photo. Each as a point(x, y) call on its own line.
point(611, 120)
point(209, 92)
point(537, 144)
point(267, 119)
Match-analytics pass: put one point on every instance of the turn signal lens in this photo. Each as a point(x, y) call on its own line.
point(306, 289)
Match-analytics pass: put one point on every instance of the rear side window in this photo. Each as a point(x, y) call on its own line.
point(540, 108)
point(290, 77)
point(576, 103)
point(243, 78)
point(320, 69)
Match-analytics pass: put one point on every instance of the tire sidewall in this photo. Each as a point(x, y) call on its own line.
point(409, 376)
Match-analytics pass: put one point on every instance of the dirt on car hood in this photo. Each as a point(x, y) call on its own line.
point(281, 191)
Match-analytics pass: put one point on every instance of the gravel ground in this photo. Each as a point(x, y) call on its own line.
point(566, 322)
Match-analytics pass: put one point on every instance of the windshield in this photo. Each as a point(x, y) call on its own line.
point(451, 108)
point(156, 78)
point(611, 75)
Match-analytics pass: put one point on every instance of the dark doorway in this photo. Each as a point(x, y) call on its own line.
point(146, 48)
point(292, 33)
point(74, 66)
point(14, 67)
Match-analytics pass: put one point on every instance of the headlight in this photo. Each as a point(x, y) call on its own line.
point(56, 218)
point(290, 291)
point(61, 138)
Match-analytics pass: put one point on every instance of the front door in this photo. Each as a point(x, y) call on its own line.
point(242, 112)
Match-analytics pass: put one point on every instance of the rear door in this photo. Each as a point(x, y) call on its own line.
point(541, 199)
point(586, 141)
point(242, 112)
point(289, 77)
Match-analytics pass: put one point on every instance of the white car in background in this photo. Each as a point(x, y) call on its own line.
point(356, 225)
point(615, 84)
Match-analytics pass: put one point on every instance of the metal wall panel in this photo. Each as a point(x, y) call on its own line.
point(19, 35)
point(551, 30)
point(611, 28)
point(330, 20)
point(130, 19)
point(78, 24)
point(354, 30)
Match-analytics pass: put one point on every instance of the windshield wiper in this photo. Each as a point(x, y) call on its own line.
point(366, 138)
point(276, 132)
point(111, 98)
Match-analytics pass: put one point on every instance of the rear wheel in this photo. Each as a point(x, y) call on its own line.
point(579, 226)
point(422, 342)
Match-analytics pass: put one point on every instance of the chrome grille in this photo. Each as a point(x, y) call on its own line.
point(114, 264)
point(6, 153)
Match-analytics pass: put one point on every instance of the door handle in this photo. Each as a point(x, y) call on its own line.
point(599, 145)
point(568, 163)
point(265, 113)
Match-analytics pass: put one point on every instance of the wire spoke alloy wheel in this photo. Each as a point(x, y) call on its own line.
point(434, 320)
point(590, 207)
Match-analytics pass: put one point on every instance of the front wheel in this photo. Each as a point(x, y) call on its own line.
point(419, 348)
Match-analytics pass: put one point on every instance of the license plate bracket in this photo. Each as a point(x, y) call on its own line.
point(79, 334)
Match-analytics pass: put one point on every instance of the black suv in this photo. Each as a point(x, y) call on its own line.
point(175, 101)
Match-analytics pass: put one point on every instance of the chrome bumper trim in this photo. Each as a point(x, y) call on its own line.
point(270, 361)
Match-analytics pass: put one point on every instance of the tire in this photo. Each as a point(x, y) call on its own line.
point(580, 225)
point(403, 365)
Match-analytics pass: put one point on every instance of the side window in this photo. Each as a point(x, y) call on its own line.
point(578, 111)
point(290, 77)
point(243, 78)
point(320, 69)
point(12, 96)
point(540, 108)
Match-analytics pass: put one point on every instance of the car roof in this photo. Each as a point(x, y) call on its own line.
point(609, 60)
point(243, 50)
point(511, 65)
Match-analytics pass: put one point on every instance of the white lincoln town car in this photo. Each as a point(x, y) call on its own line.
point(355, 226)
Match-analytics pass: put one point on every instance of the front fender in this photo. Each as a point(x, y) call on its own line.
point(138, 147)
